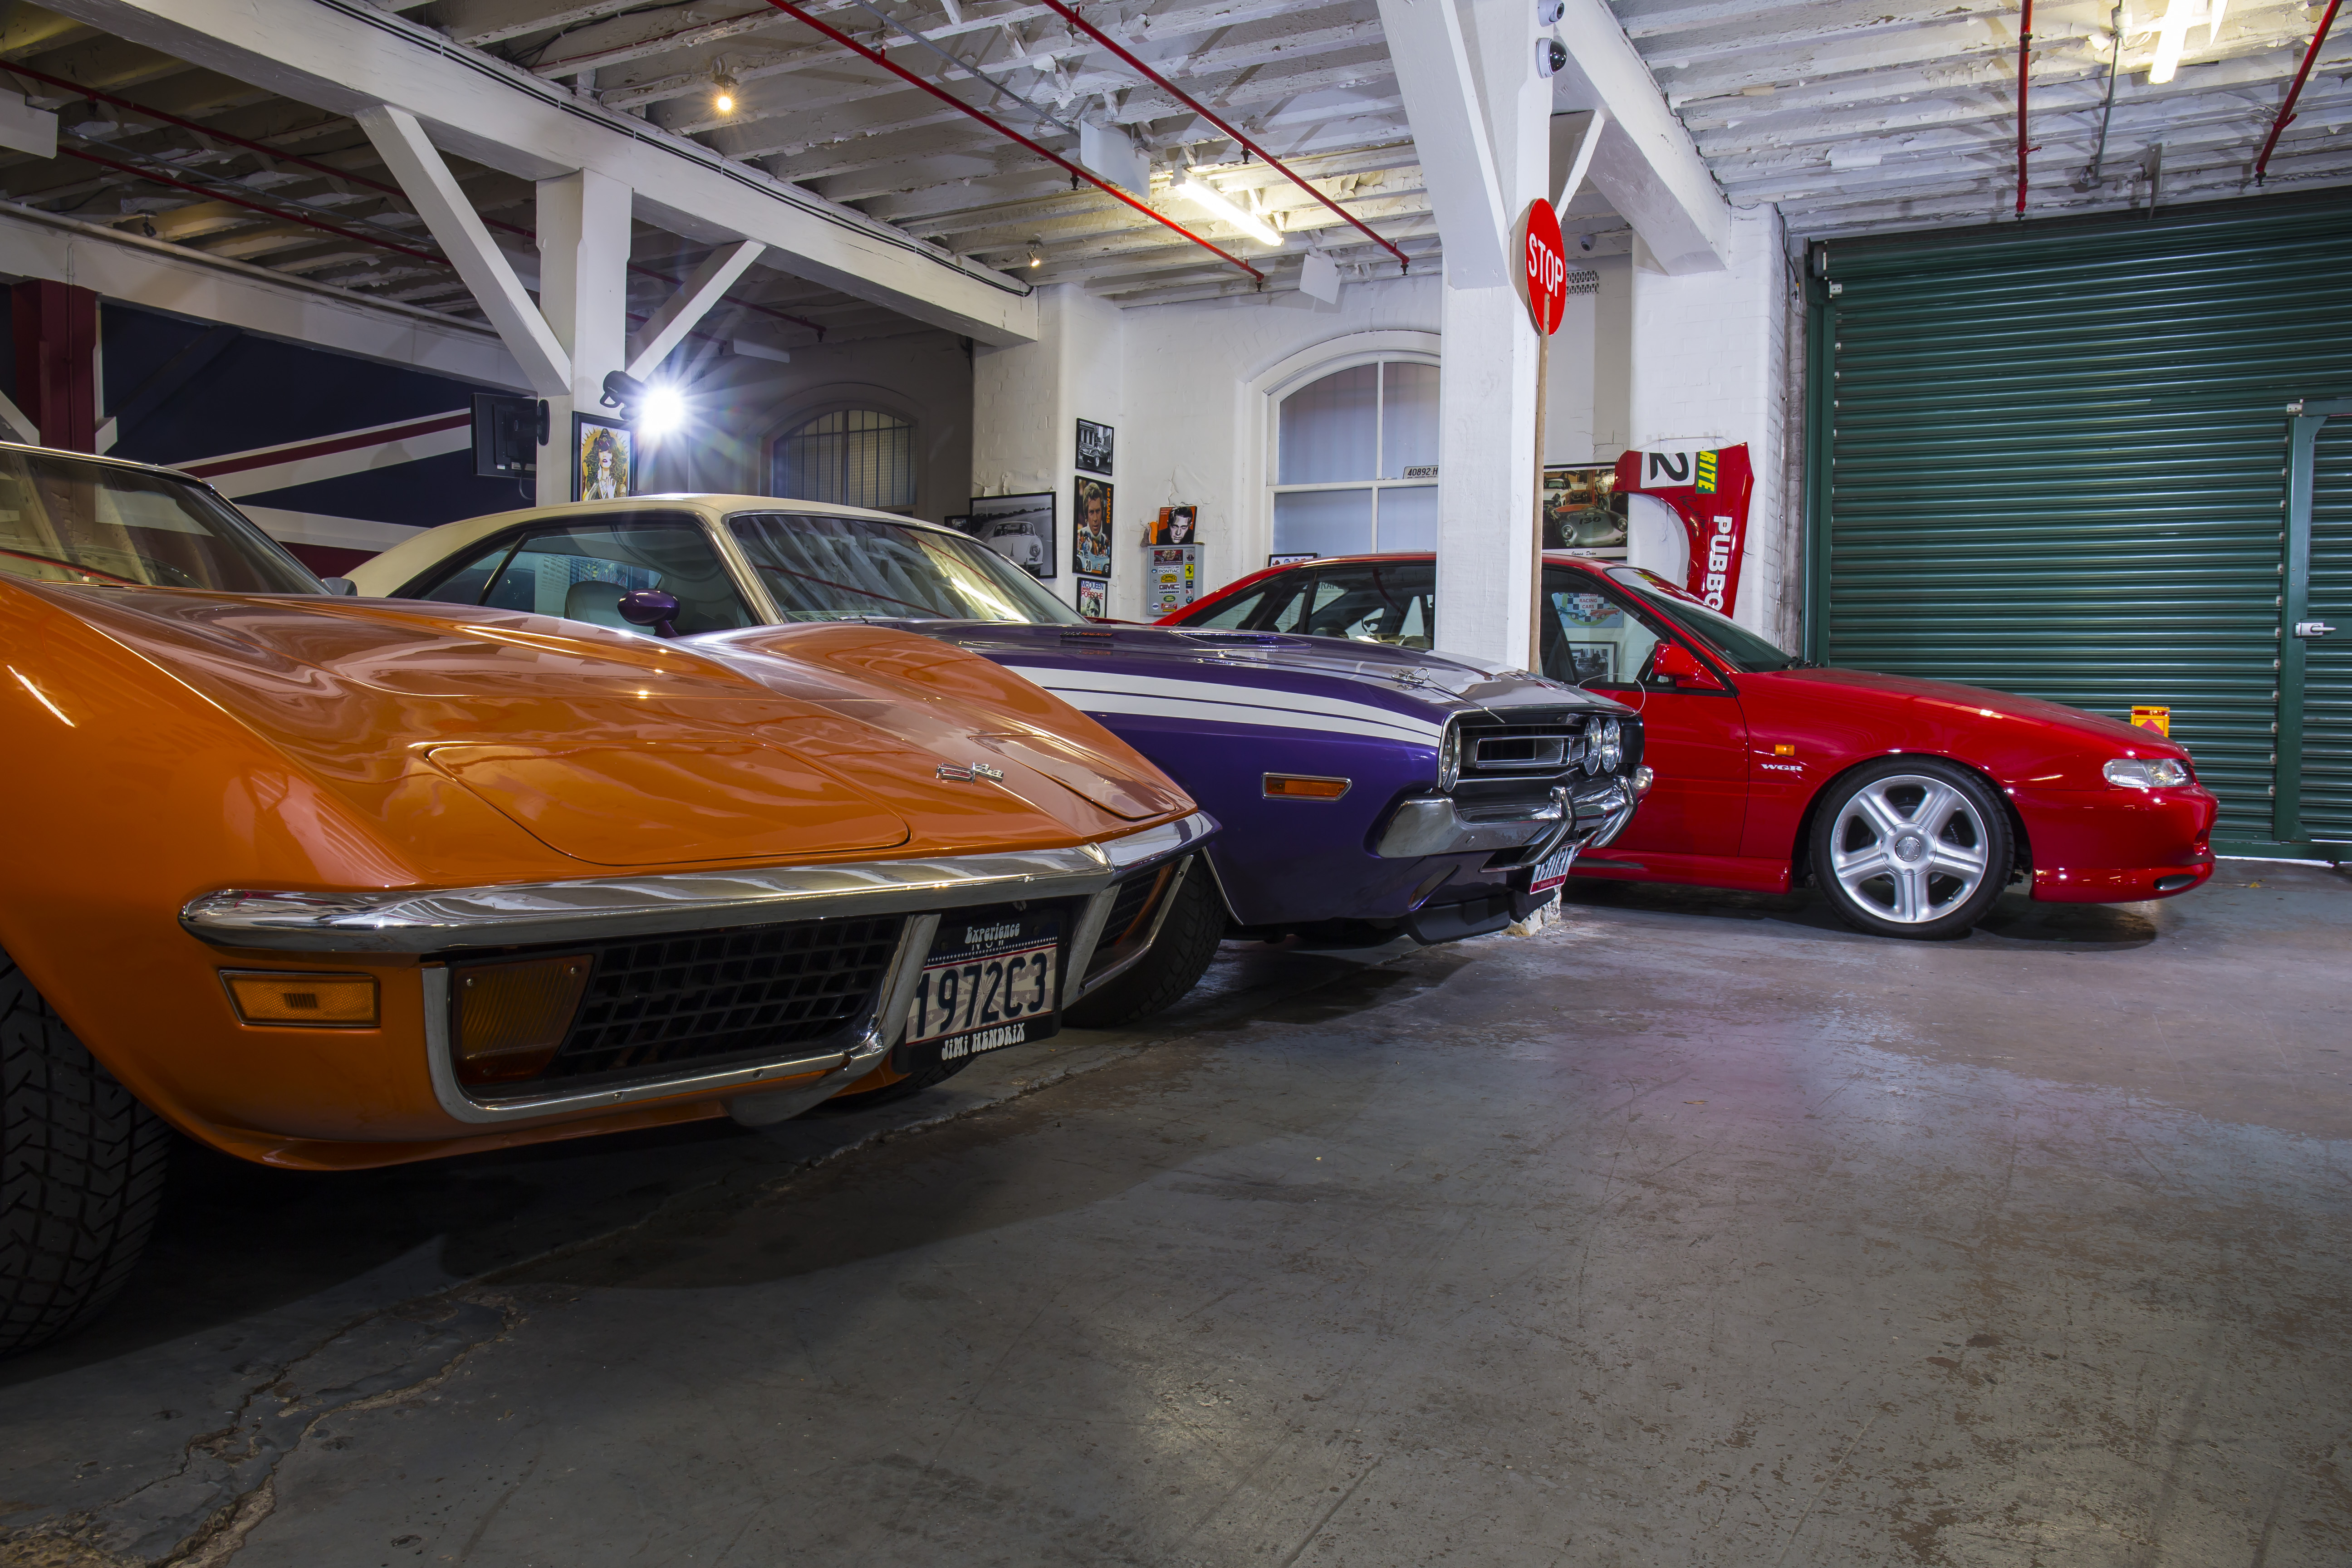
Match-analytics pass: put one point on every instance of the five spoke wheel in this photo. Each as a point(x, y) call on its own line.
point(1911, 846)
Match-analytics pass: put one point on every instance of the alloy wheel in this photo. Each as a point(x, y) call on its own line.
point(1909, 848)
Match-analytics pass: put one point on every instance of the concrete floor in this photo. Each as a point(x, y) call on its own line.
point(1692, 1230)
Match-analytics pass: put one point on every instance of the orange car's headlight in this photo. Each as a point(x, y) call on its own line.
point(295, 999)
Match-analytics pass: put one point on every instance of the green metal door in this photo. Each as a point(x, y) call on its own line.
point(2050, 459)
point(2322, 793)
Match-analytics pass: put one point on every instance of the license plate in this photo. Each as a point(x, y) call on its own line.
point(1551, 872)
point(990, 982)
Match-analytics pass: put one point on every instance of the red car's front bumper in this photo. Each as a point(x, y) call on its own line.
point(2117, 846)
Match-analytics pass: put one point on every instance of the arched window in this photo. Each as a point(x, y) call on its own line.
point(1356, 461)
point(856, 457)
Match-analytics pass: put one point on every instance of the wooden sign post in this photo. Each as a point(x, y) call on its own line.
point(1544, 256)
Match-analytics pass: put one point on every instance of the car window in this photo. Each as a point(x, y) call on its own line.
point(1229, 613)
point(1748, 651)
point(1375, 602)
point(825, 568)
point(64, 520)
point(1592, 637)
point(579, 570)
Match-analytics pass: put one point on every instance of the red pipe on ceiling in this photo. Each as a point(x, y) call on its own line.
point(1203, 111)
point(2286, 110)
point(332, 173)
point(876, 56)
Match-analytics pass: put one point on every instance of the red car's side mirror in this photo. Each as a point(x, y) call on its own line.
point(1681, 667)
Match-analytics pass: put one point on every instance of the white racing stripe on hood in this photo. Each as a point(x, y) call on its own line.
point(1164, 697)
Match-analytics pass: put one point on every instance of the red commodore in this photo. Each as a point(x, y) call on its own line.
point(1910, 803)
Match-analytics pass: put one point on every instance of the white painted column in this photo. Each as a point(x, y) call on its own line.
point(583, 293)
point(1026, 403)
point(1709, 361)
point(1481, 119)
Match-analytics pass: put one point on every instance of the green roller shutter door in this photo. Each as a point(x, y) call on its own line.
point(2055, 459)
point(2328, 660)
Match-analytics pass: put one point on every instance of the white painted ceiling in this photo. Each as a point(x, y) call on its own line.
point(1848, 115)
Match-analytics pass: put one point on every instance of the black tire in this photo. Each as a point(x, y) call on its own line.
point(1926, 892)
point(1188, 940)
point(81, 1174)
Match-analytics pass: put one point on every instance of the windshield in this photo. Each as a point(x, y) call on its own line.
point(1746, 650)
point(68, 520)
point(821, 568)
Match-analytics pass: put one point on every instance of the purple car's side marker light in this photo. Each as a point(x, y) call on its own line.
point(654, 607)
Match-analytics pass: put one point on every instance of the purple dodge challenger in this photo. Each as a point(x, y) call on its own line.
point(1366, 790)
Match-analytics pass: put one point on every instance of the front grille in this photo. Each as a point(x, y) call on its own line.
point(1550, 744)
point(656, 1001)
point(1128, 922)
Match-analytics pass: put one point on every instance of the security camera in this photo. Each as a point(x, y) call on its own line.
point(1549, 12)
point(1550, 55)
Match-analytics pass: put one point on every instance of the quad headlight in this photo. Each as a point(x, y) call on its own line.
point(1605, 747)
point(2148, 772)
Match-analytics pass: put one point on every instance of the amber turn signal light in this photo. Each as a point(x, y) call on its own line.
point(302, 1001)
point(508, 1018)
point(1304, 787)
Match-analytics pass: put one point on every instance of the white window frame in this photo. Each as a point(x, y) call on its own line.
point(1312, 364)
point(845, 397)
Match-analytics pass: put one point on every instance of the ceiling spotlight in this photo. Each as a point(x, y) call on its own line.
point(723, 88)
point(1036, 256)
point(1221, 206)
point(661, 412)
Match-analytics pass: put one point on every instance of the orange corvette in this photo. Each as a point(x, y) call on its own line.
point(327, 883)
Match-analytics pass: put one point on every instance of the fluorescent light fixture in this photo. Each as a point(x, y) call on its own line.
point(662, 412)
point(2172, 34)
point(1221, 205)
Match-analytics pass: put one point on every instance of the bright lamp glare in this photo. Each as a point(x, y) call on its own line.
point(1217, 203)
point(663, 411)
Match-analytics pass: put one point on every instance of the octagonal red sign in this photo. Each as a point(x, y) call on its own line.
point(1546, 267)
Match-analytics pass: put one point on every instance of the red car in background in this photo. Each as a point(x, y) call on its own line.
point(1910, 803)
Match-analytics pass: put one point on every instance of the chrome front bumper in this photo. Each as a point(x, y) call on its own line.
point(459, 920)
point(520, 914)
point(1435, 826)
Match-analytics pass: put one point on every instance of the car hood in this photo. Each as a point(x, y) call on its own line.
point(613, 749)
point(1374, 688)
point(1949, 700)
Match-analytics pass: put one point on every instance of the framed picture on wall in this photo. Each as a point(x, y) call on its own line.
point(1291, 559)
point(1583, 511)
point(1174, 525)
point(1094, 447)
point(1094, 597)
point(603, 458)
point(1090, 529)
point(1019, 528)
point(1593, 661)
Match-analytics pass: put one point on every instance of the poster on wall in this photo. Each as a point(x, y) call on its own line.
point(1583, 511)
point(1174, 525)
point(604, 455)
point(1019, 528)
point(1090, 529)
point(1093, 598)
point(1094, 447)
point(1709, 491)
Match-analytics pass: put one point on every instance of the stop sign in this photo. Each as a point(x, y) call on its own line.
point(1547, 265)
